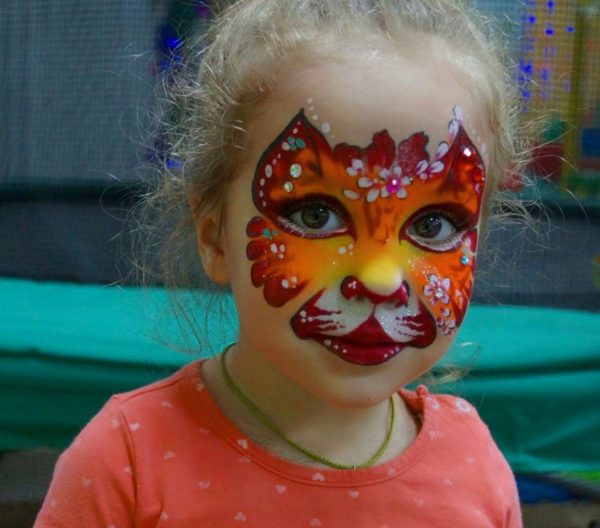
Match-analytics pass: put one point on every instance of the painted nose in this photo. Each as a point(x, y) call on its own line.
point(353, 288)
point(379, 281)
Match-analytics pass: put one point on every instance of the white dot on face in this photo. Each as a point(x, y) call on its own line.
point(342, 250)
point(327, 342)
point(326, 127)
point(310, 100)
point(315, 117)
point(285, 284)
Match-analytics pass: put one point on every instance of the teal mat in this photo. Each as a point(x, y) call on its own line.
point(65, 348)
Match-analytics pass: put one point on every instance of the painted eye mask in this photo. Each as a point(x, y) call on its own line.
point(383, 238)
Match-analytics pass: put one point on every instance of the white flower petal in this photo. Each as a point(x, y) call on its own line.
point(436, 167)
point(365, 182)
point(351, 195)
point(422, 166)
point(458, 114)
point(453, 128)
point(442, 149)
point(372, 195)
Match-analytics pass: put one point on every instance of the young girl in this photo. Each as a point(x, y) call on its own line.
point(339, 160)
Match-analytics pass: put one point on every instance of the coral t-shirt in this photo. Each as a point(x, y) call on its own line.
point(165, 456)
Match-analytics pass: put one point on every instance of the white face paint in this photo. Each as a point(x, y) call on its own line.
point(338, 316)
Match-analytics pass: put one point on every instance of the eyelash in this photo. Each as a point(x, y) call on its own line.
point(461, 220)
point(287, 210)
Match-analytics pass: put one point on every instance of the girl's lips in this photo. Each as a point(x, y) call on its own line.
point(367, 344)
point(360, 353)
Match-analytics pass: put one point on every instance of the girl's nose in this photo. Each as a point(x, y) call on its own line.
point(380, 282)
point(353, 287)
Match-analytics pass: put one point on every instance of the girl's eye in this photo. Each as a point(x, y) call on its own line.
point(317, 219)
point(435, 230)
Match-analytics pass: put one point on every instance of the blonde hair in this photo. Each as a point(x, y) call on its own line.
point(228, 73)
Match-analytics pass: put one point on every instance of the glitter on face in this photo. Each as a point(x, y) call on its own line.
point(393, 185)
point(295, 170)
point(288, 186)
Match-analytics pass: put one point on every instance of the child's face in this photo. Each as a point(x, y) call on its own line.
point(351, 230)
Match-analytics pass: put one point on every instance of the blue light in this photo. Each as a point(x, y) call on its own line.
point(532, 19)
point(570, 29)
point(173, 164)
point(550, 5)
point(545, 74)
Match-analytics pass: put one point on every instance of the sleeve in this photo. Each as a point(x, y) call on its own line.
point(93, 484)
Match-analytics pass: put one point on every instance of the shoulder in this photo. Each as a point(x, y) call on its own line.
point(111, 432)
point(465, 430)
point(450, 408)
point(459, 423)
point(460, 445)
point(142, 413)
point(100, 470)
point(175, 384)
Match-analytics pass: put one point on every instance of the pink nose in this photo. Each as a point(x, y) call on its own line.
point(352, 287)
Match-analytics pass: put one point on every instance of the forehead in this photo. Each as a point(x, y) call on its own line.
point(350, 98)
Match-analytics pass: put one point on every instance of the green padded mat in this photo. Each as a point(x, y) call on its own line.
point(65, 348)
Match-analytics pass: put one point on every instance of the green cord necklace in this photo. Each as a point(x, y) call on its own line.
point(259, 415)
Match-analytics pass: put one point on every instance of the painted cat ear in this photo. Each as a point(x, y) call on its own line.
point(463, 165)
point(294, 157)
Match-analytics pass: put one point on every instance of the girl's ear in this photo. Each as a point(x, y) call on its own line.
point(211, 247)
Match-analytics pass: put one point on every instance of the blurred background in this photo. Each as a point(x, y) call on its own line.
point(80, 91)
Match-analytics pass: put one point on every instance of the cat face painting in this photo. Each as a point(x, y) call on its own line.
point(378, 241)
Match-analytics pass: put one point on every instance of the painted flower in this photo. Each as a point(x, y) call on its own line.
point(447, 326)
point(388, 183)
point(437, 289)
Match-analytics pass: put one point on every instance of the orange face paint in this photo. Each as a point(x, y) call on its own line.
point(380, 239)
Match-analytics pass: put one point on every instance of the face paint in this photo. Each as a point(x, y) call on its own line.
point(383, 238)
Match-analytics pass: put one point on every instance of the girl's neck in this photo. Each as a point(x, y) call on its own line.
point(348, 435)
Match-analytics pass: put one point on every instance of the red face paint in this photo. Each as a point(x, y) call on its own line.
point(328, 215)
